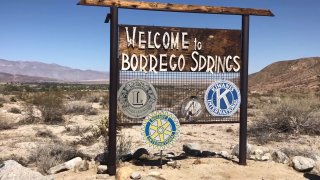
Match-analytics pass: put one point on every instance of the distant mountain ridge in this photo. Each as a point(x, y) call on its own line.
point(50, 71)
point(300, 75)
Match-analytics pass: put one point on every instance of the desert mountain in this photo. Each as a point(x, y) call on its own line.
point(300, 75)
point(50, 71)
point(6, 77)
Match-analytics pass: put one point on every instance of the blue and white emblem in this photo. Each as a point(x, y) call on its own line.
point(222, 98)
point(160, 129)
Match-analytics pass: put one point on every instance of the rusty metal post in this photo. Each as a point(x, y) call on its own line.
point(244, 90)
point(114, 81)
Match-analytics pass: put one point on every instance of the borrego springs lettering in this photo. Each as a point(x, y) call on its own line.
point(154, 49)
point(222, 98)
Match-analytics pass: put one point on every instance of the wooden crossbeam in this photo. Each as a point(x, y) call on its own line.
point(155, 6)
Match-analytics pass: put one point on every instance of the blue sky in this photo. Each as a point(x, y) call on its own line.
point(59, 31)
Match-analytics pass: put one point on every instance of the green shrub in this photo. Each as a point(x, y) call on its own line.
point(80, 108)
point(51, 106)
point(290, 117)
point(14, 110)
point(48, 155)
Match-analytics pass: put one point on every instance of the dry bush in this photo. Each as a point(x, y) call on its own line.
point(290, 117)
point(4, 99)
point(30, 117)
point(291, 152)
point(101, 130)
point(5, 124)
point(48, 155)
point(94, 97)
point(104, 101)
point(80, 108)
point(14, 110)
point(45, 133)
point(51, 106)
point(124, 145)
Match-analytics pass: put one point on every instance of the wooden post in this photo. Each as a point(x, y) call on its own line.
point(244, 90)
point(114, 81)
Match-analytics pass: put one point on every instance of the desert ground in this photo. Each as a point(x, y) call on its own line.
point(42, 126)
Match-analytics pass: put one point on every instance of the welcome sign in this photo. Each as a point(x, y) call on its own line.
point(159, 49)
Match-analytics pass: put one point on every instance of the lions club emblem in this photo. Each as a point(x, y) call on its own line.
point(137, 98)
point(222, 98)
point(160, 129)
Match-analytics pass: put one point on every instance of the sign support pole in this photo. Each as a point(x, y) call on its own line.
point(244, 90)
point(114, 80)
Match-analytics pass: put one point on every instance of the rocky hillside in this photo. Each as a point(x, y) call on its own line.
point(51, 71)
point(288, 76)
point(6, 77)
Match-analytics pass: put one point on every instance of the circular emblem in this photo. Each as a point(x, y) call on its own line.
point(160, 129)
point(222, 98)
point(137, 98)
point(191, 108)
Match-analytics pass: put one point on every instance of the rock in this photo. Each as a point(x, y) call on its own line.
point(257, 152)
point(13, 170)
point(192, 149)
point(140, 154)
point(266, 157)
point(124, 173)
point(84, 166)
point(102, 169)
point(173, 164)
point(207, 153)
point(235, 150)
point(224, 154)
point(280, 157)
point(135, 175)
point(170, 155)
point(71, 164)
point(103, 176)
point(102, 158)
point(302, 163)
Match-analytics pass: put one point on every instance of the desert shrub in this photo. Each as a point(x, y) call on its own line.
point(51, 106)
point(4, 99)
point(290, 117)
point(93, 98)
point(30, 117)
point(104, 101)
point(1, 105)
point(124, 145)
point(5, 123)
point(45, 133)
point(13, 99)
point(14, 110)
point(291, 152)
point(48, 155)
point(101, 130)
point(80, 108)
point(77, 95)
point(76, 131)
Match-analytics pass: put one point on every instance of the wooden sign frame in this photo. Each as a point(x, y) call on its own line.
point(154, 6)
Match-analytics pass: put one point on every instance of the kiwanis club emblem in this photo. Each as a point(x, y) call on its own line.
point(222, 98)
point(137, 98)
point(160, 129)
